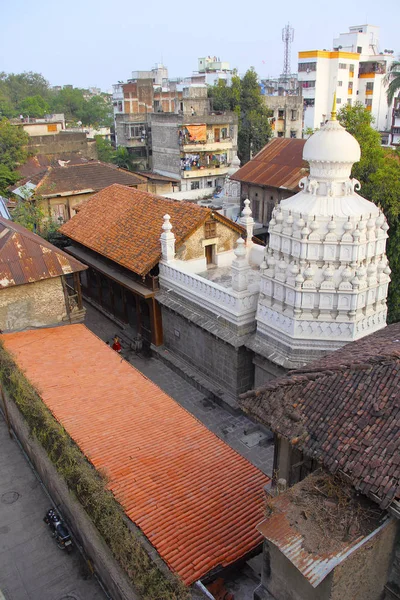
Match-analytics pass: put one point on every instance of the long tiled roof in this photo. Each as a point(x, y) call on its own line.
point(90, 176)
point(279, 164)
point(125, 225)
point(195, 499)
point(26, 257)
point(344, 411)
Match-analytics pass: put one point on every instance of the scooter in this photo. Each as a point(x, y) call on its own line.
point(59, 530)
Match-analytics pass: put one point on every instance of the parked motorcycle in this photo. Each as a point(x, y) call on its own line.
point(59, 530)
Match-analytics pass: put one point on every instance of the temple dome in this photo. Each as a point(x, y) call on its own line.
point(332, 144)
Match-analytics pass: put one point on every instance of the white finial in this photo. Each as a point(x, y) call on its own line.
point(240, 250)
point(247, 221)
point(240, 267)
point(167, 240)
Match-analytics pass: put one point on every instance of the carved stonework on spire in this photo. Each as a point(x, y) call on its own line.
point(167, 240)
point(326, 274)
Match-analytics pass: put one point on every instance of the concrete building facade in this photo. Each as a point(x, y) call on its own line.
point(355, 69)
point(287, 118)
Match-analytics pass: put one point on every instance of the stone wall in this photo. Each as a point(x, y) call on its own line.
point(63, 142)
point(224, 364)
point(38, 304)
point(165, 144)
point(79, 523)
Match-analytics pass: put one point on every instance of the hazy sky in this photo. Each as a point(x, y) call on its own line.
point(96, 43)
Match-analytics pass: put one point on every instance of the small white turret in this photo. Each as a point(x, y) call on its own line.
point(167, 240)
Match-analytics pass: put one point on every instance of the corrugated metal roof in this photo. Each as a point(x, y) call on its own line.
point(26, 257)
point(314, 567)
point(279, 164)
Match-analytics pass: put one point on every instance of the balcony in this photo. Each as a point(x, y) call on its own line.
point(210, 171)
point(209, 146)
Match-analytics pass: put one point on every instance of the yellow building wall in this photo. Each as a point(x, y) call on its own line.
point(193, 247)
point(32, 305)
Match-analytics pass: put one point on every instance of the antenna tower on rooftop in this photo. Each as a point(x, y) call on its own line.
point(287, 38)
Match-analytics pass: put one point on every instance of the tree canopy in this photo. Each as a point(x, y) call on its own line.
point(379, 175)
point(393, 79)
point(30, 94)
point(244, 97)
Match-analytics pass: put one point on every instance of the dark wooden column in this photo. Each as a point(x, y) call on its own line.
point(156, 322)
point(78, 290)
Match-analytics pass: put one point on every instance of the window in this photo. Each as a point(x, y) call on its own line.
point(349, 101)
point(370, 86)
point(308, 84)
point(340, 83)
point(338, 101)
point(224, 133)
point(342, 65)
point(292, 134)
point(281, 113)
point(350, 85)
point(209, 184)
point(280, 133)
point(210, 229)
point(195, 185)
point(368, 102)
point(293, 115)
point(307, 67)
point(137, 131)
point(309, 102)
point(359, 49)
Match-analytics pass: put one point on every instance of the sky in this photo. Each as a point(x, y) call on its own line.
point(97, 43)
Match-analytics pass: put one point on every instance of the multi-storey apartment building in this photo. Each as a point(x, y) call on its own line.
point(355, 69)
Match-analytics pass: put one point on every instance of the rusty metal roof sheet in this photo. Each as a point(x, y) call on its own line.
point(26, 257)
point(314, 567)
point(279, 164)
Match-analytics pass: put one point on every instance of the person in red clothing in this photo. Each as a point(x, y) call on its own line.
point(116, 345)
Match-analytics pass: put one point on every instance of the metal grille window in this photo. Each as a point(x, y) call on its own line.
point(343, 65)
point(210, 229)
point(307, 67)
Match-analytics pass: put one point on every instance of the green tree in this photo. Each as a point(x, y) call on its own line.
point(122, 158)
point(13, 140)
point(69, 101)
point(254, 126)
point(96, 112)
point(105, 151)
point(23, 85)
point(393, 79)
point(34, 106)
point(379, 175)
point(28, 214)
point(7, 178)
point(224, 96)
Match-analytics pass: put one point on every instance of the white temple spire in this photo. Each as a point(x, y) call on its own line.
point(167, 240)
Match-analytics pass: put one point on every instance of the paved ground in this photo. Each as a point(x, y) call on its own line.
point(31, 565)
point(235, 430)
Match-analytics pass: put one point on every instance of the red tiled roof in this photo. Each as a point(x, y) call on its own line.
point(26, 257)
point(86, 176)
point(40, 162)
point(344, 411)
point(279, 164)
point(125, 225)
point(195, 499)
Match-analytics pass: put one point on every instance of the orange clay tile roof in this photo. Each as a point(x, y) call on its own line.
point(279, 164)
point(195, 499)
point(26, 257)
point(125, 225)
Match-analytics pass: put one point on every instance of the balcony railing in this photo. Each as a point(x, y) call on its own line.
point(236, 307)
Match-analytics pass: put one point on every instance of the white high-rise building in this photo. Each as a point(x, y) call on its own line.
point(355, 69)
